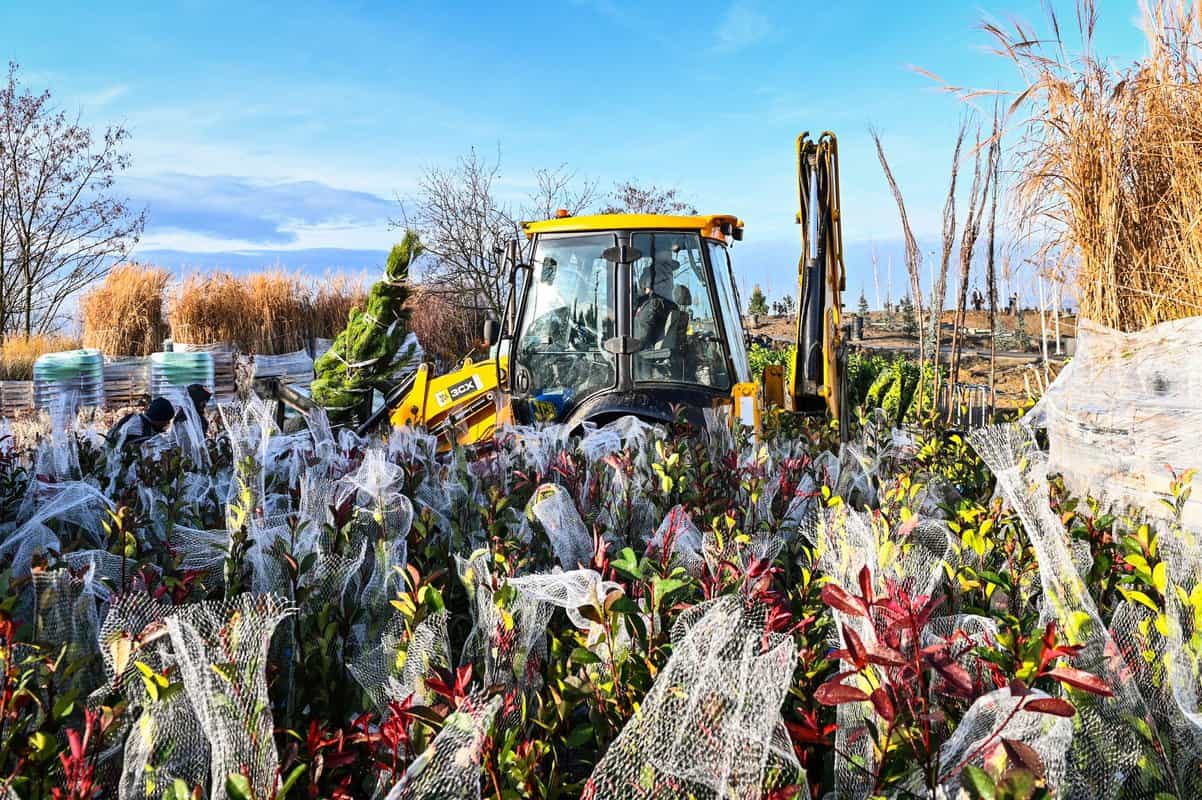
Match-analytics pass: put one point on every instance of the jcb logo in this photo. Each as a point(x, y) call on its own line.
point(458, 391)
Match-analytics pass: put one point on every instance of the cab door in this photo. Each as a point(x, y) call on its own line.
point(728, 306)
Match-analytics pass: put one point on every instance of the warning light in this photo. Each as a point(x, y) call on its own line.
point(560, 213)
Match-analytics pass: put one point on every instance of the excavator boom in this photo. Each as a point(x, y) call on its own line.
point(816, 378)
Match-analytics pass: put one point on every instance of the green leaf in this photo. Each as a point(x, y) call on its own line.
point(290, 781)
point(583, 657)
point(977, 784)
point(63, 707)
point(627, 563)
point(1018, 784)
point(43, 745)
point(623, 605)
point(581, 736)
point(238, 787)
point(663, 587)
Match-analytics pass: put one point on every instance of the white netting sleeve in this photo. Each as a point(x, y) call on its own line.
point(680, 539)
point(449, 769)
point(552, 506)
point(1107, 744)
point(221, 649)
point(711, 725)
point(398, 665)
point(165, 741)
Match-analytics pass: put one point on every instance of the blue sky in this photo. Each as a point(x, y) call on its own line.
point(284, 133)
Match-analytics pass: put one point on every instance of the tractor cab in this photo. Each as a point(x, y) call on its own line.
point(619, 314)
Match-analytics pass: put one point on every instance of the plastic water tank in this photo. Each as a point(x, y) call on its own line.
point(178, 370)
point(79, 371)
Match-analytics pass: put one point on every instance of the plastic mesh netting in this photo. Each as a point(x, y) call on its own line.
point(1110, 755)
point(711, 725)
point(450, 768)
point(221, 650)
point(398, 665)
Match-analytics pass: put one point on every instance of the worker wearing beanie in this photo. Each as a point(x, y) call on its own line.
point(137, 427)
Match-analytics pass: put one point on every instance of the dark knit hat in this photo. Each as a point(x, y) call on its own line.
point(199, 393)
point(160, 411)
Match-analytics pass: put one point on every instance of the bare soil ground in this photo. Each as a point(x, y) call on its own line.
point(1020, 371)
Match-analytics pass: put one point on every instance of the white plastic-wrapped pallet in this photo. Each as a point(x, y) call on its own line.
point(294, 368)
point(1125, 410)
point(126, 381)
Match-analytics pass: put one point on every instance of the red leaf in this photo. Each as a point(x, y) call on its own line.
point(866, 585)
point(885, 656)
point(956, 678)
point(838, 599)
point(855, 648)
point(834, 694)
point(1081, 680)
point(1050, 705)
point(882, 704)
point(1018, 688)
point(807, 731)
point(1023, 755)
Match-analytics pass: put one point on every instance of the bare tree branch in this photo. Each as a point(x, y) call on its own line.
point(60, 225)
point(913, 259)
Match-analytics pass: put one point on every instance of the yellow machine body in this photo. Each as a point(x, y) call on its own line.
point(467, 405)
point(460, 407)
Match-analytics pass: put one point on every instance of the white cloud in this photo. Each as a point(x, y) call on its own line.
point(103, 97)
point(221, 212)
point(742, 27)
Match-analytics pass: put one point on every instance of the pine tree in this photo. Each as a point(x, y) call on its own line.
point(757, 303)
point(366, 355)
point(863, 309)
point(909, 321)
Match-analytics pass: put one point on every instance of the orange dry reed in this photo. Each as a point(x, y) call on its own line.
point(1111, 164)
point(123, 316)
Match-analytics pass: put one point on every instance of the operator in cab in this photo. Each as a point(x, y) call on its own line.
point(651, 310)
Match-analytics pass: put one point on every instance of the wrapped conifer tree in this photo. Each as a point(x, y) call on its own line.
point(367, 354)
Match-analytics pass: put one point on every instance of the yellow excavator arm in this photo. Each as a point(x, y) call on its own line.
point(461, 406)
point(818, 365)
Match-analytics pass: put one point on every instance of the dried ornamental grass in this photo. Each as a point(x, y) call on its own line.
point(1112, 165)
point(212, 308)
point(17, 354)
point(279, 305)
point(123, 316)
point(331, 304)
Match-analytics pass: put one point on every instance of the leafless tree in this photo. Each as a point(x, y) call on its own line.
point(990, 257)
point(464, 227)
point(464, 224)
point(913, 259)
point(61, 225)
point(560, 188)
point(977, 195)
point(939, 290)
point(630, 197)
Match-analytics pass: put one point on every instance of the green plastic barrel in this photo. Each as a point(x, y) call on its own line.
point(79, 371)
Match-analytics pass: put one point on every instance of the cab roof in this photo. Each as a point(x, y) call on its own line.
point(709, 225)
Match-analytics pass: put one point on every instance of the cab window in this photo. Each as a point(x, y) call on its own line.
point(731, 320)
point(672, 313)
point(568, 318)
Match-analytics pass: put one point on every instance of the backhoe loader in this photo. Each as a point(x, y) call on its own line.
point(616, 314)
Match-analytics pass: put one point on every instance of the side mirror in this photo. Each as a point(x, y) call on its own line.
point(492, 331)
